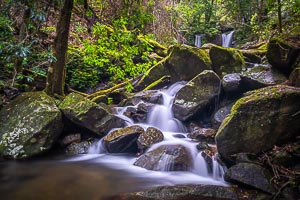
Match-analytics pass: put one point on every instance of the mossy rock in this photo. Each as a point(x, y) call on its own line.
point(226, 60)
point(253, 55)
point(294, 79)
point(30, 125)
point(90, 115)
point(200, 92)
point(166, 158)
point(149, 137)
point(259, 120)
point(123, 140)
point(283, 53)
point(185, 62)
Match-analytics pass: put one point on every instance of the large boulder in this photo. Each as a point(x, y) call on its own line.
point(226, 60)
point(183, 192)
point(254, 55)
point(123, 140)
point(251, 175)
point(149, 137)
point(185, 62)
point(30, 125)
point(294, 78)
point(166, 158)
point(283, 53)
point(259, 120)
point(90, 115)
point(196, 95)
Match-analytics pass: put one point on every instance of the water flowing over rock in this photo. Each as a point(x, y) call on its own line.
point(149, 137)
point(259, 120)
point(196, 94)
point(88, 114)
point(29, 125)
point(251, 175)
point(123, 140)
point(166, 158)
point(186, 192)
point(283, 53)
point(226, 60)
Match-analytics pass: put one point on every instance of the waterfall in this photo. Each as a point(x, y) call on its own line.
point(198, 40)
point(161, 117)
point(227, 39)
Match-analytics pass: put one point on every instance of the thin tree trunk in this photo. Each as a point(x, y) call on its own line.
point(56, 71)
point(279, 17)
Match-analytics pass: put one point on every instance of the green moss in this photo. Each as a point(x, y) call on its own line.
point(155, 83)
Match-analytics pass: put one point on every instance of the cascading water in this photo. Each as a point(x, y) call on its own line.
point(161, 117)
point(227, 39)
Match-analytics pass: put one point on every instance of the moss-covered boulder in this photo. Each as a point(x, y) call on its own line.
point(259, 120)
point(261, 76)
point(184, 192)
point(253, 55)
point(283, 53)
point(196, 95)
point(294, 78)
point(251, 175)
point(123, 140)
point(226, 60)
point(166, 158)
point(30, 125)
point(185, 62)
point(90, 115)
point(149, 137)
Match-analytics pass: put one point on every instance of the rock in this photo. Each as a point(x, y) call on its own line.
point(149, 96)
point(200, 92)
point(166, 158)
point(185, 62)
point(123, 140)
point(294, 78)
point(261, 76)
point(259, 120)
point(253, 55)
point(283, 53)
point(30, 125)
point(68, 139)
point(149, 137)
point(183, 192)
point(207, 134)
point(231, 82)
point(88, 114)
point(226, 60)
point(220, 115)
point(251, 175)
point(139, 113)
point(202, 146)
point(79, 148)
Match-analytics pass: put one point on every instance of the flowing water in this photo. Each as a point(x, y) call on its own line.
point(227, 39)
point(98, 174)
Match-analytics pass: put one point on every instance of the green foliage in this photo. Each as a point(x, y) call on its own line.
point(112, 52)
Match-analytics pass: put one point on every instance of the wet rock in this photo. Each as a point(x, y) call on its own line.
point(221, 114)
point(183, 192)
point(200, 92)
point(179, 135)
point(79, 148)
point(139, 113)
point(283, 53)
point(226, 60)
point(123, 140)
point(88, 114)
point(202, 146)
point(294, 78)
point(254, 55)
point(30, 125)
point(207, 134)
point(251, 175)
point(149, 137)
point(259, 120)
point(231, 82)
point(68, 139)
point(185, 62)
point(149, 96)
point(261, 76)
point(166, 158)
point(209, 161)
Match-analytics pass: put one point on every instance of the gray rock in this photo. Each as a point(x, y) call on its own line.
point(79, 148)
point(200, 92)
point(250, 174)
point(220, 115)
point(68, 139)
point(231, 82)
point(149, 137)
point(166, 158)
point(30, 125)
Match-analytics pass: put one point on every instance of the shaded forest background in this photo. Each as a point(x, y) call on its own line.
point(114, 41)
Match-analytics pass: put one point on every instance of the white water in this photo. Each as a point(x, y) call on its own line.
point(161, 117)
point(227, 39)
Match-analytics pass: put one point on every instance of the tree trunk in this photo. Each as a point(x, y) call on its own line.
point(56, 71)
point(279, 17)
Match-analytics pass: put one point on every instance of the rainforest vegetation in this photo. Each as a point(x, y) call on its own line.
point(113, 41)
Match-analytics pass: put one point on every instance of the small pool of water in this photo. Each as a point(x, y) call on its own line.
point(83, 177)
